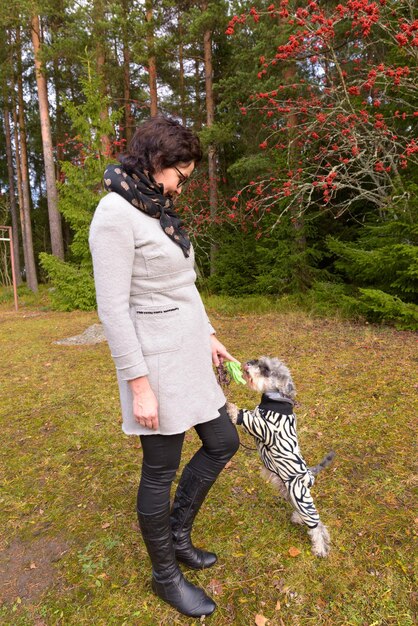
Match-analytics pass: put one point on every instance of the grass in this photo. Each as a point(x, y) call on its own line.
point(69, 478)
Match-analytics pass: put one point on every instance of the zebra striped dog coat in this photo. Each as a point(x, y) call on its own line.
point(273, 425)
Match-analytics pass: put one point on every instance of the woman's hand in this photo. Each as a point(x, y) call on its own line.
point(219, 352)
point(145, 404)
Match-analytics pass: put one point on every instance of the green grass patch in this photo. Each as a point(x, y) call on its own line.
point(70, 551)
point(25, 297)
point(324, 300)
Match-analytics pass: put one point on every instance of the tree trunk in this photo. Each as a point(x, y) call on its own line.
point(198, 99)
point(30, 267)
point(152, 64)
point(181, 72)
point(59, 138)
point(129, 122)
point(19, 178)
point(212, 156)
point(12, 195)
point(99, 19)
point(289, 75)
point(301, 270)
point(57, 77)
point(55, 227)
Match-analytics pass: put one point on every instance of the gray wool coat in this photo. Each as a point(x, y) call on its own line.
point(153, 317)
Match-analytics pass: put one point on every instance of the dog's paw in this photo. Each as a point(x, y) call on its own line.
point(321, 541)
point(321, 551)
point(232, 411)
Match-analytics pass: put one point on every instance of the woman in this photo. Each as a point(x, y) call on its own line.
point(163, 347)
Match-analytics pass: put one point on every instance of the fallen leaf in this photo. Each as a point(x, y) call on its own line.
point(294, 551)
point(215, 586)
point(32, 566)
point(260, 620)
point(278, 605)
point(105, 525)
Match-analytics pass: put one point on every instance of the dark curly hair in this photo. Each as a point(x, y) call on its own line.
point(159, 143)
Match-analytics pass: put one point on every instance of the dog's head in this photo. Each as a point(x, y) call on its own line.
point(269, 374)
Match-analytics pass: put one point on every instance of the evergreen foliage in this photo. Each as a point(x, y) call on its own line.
point(382, 262)
point(378, 306)
point(392, 267)
point(72, 285)
point(235, 266)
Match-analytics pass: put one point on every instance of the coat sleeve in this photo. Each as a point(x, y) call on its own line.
point(212, 331)
point(112, 247)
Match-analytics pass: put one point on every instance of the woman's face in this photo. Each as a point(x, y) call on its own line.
point(173, 178)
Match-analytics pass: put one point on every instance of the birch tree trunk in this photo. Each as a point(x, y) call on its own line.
point(152, 64)
point(30, 267)
point(55, 226)
point(12, 194)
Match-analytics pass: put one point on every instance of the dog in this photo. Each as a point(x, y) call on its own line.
point(273, 425)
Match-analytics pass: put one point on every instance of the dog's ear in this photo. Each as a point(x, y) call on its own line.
point(264, 369)
point(290, 389)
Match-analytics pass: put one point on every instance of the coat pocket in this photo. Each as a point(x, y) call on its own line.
point(158, 328)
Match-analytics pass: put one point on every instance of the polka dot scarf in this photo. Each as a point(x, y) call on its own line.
point(147, 195)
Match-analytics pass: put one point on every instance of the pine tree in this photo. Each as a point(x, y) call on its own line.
point(79, 193)
point(55, 227)
point(22, 155)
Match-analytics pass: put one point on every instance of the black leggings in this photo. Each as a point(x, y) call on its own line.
point(161, 460)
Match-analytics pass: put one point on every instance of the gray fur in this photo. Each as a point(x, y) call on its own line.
point(327, 460)
point(278, 377)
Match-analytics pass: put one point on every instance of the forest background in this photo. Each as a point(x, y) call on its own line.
point(308, 114)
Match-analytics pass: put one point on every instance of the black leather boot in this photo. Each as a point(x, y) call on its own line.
point(190, 494)
point(168, 581)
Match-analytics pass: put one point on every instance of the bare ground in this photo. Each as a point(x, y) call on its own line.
point(27, 569)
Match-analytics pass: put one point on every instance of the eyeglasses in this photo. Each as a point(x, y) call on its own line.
point(182, 178)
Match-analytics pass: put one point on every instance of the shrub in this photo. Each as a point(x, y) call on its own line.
point(379, 306)
point(73, 287)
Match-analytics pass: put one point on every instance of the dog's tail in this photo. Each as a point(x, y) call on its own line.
point(327, 460)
